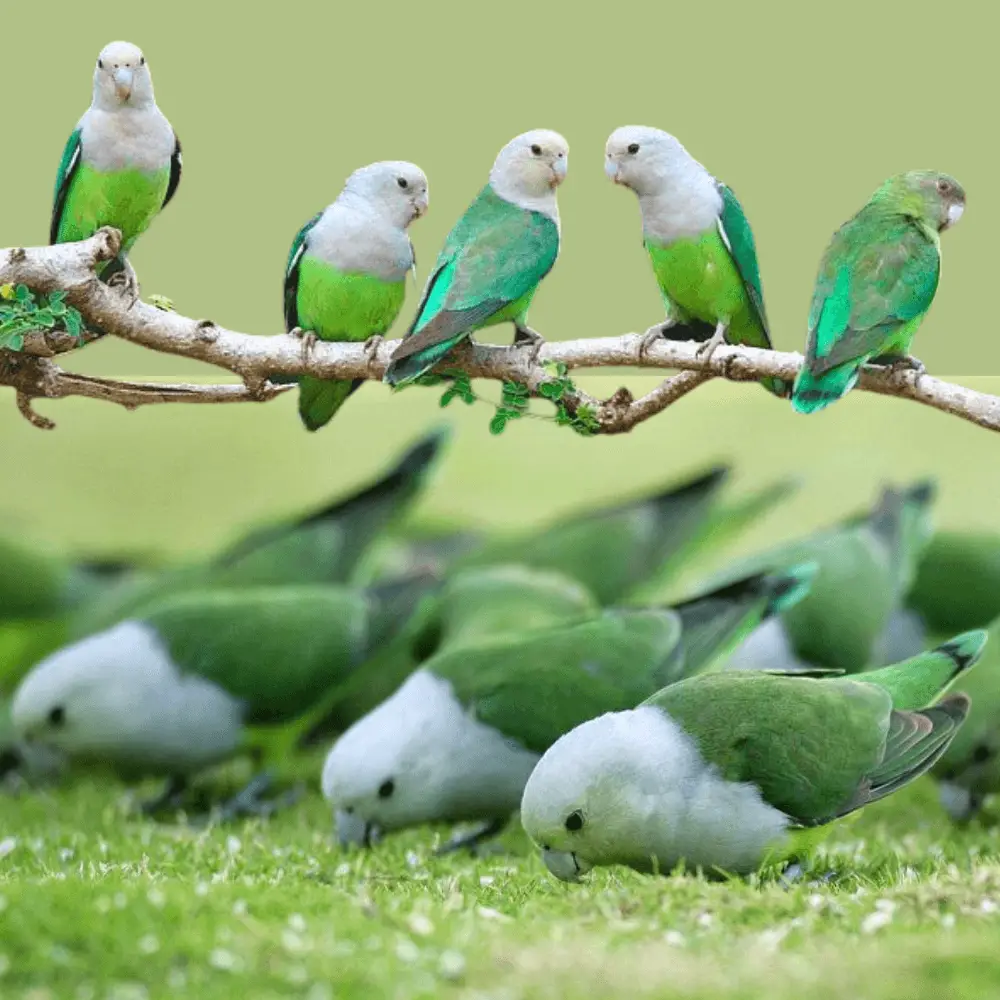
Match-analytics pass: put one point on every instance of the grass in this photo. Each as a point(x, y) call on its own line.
point(96, 902)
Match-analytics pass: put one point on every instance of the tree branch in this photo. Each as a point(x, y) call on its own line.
point(70, 267)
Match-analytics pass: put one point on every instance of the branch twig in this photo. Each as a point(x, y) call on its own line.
point(70, 266)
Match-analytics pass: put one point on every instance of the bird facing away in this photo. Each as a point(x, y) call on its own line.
point(699, 242)
point(122, 164)
point(876, 282)
point(494, 257)
point(346, 274)
point(730, 772)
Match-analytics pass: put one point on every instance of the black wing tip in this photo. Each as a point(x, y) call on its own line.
point(700, 484)
point(965, 649)
point(954, 708)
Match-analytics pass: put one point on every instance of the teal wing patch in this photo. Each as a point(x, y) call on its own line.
point(864, 296)
point(64, 178)
point(292, 272)
point(738, 236)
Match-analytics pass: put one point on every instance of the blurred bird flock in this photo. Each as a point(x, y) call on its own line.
point(658, 714)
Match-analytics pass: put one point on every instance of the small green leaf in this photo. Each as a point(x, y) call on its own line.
point(448, 395)
point(498, 423)
point(73, 322)
point(23, 294)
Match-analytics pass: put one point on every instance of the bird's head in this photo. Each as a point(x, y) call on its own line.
point(531, 165)
point(931, 197)
point(394, 187)
point(644, 159)
point(121, 78)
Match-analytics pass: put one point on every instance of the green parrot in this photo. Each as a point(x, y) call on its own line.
point(326, 546)
point(184, 684)
point(866, 566)
point(493, 259)
point(732, 772)
point(698, 240)
point(471, 605)
point(876, 282)
point(346, 272)
point(121, 165)
point(459, 738)
point(958, 581)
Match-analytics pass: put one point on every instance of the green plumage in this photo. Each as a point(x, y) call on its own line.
point(876, 282)
point(715, 278)
point(336, 306)
point(539, 686)
point(487, 273)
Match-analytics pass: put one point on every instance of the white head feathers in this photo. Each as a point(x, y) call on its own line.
point(529, 168)
point(394, 189)
point(121, 78)
point(678, 196)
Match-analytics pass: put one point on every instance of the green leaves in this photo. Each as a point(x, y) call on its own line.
point(513, 405)
point(460, 388)
point(22, 313)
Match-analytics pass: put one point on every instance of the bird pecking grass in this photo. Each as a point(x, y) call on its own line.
point(96, 901)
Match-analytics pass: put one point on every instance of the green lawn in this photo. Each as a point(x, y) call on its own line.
point(95, 902)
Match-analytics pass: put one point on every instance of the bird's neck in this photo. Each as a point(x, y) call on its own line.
point(544, 203)
point(680, 211)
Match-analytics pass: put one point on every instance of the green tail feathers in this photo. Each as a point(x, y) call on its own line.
point(920, 681)
point(320, 399)
point(815, 392)
point(404, 370)
point(777, 387)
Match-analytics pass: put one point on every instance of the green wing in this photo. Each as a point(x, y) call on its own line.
point(278, 649)
point(292, 273)
point(878, 275)
point(494, 256)
point(738, 237)
point(64, 178)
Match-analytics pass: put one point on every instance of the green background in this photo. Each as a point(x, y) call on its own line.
point(802, 110)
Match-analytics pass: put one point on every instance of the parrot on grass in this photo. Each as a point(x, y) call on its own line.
point(328, 545)
point(346, 274)
point(122, 163)
point(457, 741)
point(187, 683)
point(493, 259)
point(876, 282)
point(698, 240)
point(733, 772)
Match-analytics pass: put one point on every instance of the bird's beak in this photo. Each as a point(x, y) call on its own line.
point(420, 206)
point(954, 214)
point(611, 168)
point(565, 865)
point(353, 830)
point(559, 169)
point(123, 77)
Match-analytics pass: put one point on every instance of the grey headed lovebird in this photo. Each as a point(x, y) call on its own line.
point(698, 240)
point(328, 545)
point(493, 259)
point(122, 163)
point(732, 772)
point(192, 679)
point(346, 274)
point(457, 741)
point(876, 282)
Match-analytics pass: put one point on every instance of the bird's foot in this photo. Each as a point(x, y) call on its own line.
point(126, 281)
point(474, 840)
point(169, 800)
point(530, 339)
point(372, 344)
point(794, 874)
point(308, 339)
point(894, 363)
point(651, 336)
point(706, 350)
point(251, 801)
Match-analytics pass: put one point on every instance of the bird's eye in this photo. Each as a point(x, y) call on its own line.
point(100, 64)
point(574, 821)
point(633, 148)
point(57, 716)
point(403, 182)
point(142, 60)
point(981, 754)
point(536, 149)
point(386, 788)
point(944, 187)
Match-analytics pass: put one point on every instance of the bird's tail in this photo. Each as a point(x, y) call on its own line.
point(319, 399)
point(777, 387)
point(814, 392)
point(402, 371)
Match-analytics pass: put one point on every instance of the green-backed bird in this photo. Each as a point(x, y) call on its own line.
point(876, 282)
point(181, 685)
point(346, 274)
point(730, 772)
point(458, 740)
point(493, 259)
point(699, 241)
point(121, 165)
